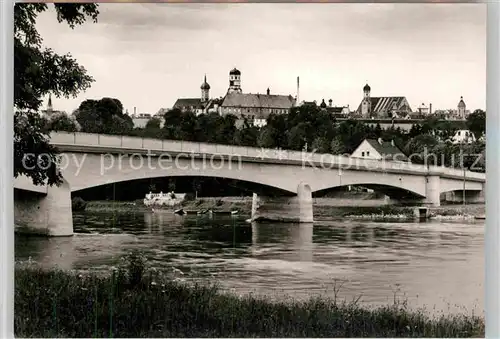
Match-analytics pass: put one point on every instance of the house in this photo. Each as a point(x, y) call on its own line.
point(463, 136)
point(379, 150)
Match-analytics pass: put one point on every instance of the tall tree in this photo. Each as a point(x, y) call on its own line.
point(39, 71)
point(476, 122)
point(62, 122)
point(103, 116)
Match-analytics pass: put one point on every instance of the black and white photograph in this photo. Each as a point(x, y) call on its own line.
point(249, 169)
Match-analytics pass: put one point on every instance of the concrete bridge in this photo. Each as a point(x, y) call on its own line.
point(90, 160)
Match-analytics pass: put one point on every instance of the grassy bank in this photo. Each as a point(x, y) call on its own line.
point(134, 303)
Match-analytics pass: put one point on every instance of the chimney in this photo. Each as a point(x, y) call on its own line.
point(135, 110)
point(298, 88)
point(392, 143)
point(268, 91)
point(430, 108)
point(380, 141)
point(330, 102)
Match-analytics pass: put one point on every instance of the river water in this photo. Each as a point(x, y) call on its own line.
point(435, 265)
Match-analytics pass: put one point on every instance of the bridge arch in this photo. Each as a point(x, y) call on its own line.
point(388, 190)
point(397, 183)
point(93, 173)
point(242, 185)
point(451, 185)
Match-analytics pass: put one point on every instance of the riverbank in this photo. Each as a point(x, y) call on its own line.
point(342, 208)
point(223, 204)
point(133, 302)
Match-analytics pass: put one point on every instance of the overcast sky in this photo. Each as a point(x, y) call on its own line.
point(148, 55)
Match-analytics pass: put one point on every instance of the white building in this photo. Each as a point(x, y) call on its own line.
point(378, 150)
point(463, 136)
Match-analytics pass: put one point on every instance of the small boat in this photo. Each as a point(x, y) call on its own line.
point(180, 211)
point(234, 212)
point(480, 217)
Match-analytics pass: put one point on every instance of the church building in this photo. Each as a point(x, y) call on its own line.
point(198, 105)
point(382, 107)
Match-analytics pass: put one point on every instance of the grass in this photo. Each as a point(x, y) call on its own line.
point(135, 302)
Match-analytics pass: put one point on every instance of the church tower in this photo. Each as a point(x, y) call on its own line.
point(461, 108)
point(366, 104)
point(234, 81)
point(205, 90)
point(49, 109)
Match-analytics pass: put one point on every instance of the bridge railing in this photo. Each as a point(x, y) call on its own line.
point(178, 146)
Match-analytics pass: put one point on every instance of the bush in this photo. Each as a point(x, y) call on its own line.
point(189, 197)
point(78, 204)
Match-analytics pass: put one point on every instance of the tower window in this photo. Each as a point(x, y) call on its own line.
point(367, 154)
point(362, 154)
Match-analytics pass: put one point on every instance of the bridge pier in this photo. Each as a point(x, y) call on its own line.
point(44, 214)
point(298, 208)
point(432, 191)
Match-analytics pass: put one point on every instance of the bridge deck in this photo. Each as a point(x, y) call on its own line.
point(99, 143)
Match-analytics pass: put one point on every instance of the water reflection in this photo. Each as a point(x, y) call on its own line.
point(297, 238)
point(426, 261)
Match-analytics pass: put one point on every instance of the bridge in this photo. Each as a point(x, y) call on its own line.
point(90, 160)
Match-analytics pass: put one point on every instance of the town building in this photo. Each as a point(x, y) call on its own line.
point(424, 110)
point(200, 105)
point(379, 150)
point(253, 107)
point(339, 112)
point(382, 107)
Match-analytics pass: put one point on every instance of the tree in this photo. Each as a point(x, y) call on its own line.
point(321, 145)
point(336, 146)
point(266, 137)
point(103, 116)
point(247, 135)
point(297, 137)
point(476, 123)
point(62, 122)
point(420, 145)
point(153, 123)
point(39, 71)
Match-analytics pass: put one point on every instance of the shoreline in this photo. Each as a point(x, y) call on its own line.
point(365, 209)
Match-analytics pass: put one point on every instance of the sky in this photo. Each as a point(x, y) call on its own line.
point(148, 55)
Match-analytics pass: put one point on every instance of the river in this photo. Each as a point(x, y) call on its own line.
point(436, 265)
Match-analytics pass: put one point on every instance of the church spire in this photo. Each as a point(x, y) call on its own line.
point(49, 104)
